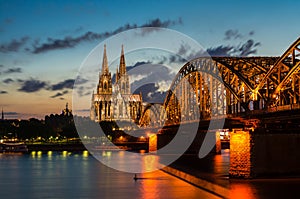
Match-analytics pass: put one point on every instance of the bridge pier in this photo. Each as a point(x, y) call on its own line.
point(152, 142)
point(256, 154)
point(166, 136)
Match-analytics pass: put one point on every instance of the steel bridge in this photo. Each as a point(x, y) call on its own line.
point(213, 87)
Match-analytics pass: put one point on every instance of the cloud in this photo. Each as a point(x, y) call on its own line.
point(139, 63)
point(66, 84)
point(183, 49)
point(221, 51)
point(3, 92)
point(14, 45)
point(70, 42)
point(13, 70)
point(248, 48)
point(162, 24)
point(154, 85)
point(177, 59)
point(157, 23)
point(232, 34)
point(67, 42)
point(128, 68)
point(83, 91)
point(151, 94)
point(152, 80)
point(32, 85)
point(8, 21)
point(8, 80)
point(244, 49)
point(60, 94)
point(183, 54)
point(10, 113)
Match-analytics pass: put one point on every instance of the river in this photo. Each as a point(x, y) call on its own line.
point(80, 175)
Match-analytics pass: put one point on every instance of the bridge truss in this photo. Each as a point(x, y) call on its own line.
point(226, 86)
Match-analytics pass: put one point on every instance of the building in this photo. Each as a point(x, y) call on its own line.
point(66, 111)
point(115, 102)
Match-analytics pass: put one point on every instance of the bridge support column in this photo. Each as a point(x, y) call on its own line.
point(261, 154)
point(152, 143)
point(218, 142)
point(240, 150)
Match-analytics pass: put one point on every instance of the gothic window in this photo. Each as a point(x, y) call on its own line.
point(105, 85)
point(105, 109)
point(109, 109)
point(121, 109)
point(134, 112)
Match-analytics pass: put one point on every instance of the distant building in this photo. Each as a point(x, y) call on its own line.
point(115, 101)
point(66, 111)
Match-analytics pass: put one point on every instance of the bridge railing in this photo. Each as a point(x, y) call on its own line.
point(284, 108)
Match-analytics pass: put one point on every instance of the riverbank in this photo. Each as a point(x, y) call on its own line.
point(55, 147)
point(78, 146)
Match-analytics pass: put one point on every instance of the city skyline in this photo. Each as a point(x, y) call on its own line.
point(43, 44)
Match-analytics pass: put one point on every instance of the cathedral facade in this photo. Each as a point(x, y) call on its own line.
point(114, 101)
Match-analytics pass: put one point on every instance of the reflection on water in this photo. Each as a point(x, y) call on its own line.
point(241, 190)
point(131, 162)
point(221, 163)
point(78, 175)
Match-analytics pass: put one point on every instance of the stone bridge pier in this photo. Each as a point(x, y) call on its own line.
point(255, 154)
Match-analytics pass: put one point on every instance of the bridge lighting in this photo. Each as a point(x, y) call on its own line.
point(142, 138)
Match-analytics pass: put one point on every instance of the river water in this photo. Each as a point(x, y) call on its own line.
point(80, 175)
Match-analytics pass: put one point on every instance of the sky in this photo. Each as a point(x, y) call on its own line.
point(44, 44)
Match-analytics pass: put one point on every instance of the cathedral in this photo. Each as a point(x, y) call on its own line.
point(114, 102)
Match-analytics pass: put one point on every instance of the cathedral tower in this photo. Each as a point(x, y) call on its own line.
point(101, 109)
point(105, 83)
point(122, 79)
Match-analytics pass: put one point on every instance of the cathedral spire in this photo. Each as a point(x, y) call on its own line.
point(104, 62)
point(117, 75)
point(122, 69)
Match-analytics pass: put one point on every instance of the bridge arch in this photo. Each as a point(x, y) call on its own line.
point(237, 89)
point(284, 78)
point(151, 115)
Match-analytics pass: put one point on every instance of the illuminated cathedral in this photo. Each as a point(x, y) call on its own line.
point(115, 102)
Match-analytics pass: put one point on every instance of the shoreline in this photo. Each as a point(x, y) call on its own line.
point(198, 182)
point(72, 147)
point(56, 147)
